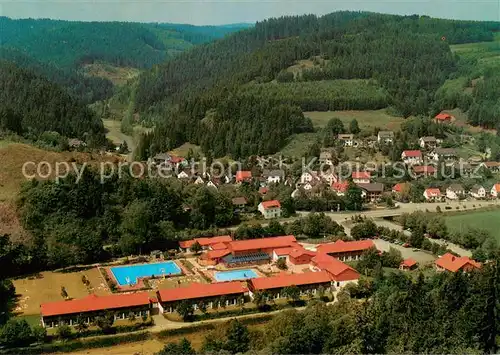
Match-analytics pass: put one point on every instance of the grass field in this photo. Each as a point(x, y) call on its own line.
point(487, 220)
point(298, 145)
point(183, 150)
point(367, 120)
point(117, 75)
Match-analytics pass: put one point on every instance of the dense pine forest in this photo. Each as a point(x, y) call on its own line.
point(406, 58)
point(57, 49)
point(32, 106)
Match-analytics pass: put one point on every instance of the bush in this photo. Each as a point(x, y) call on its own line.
point(64, 332)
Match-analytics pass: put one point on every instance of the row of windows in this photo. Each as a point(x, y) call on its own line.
point(87, 320)
point(210, 305)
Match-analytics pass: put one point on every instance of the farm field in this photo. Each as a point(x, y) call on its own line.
point(487, 220)
point(367, 120)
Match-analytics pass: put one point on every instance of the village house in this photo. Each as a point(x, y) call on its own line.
point(295, 255)
point(243, 176)
point(273, 176)
point(452, 263)
point(345, 251)
point(385, 137)
point(423, 171)
point(399, 187)
point(205, 242)
point(309, 176)
point(340, 187)
point(495, 191)
point(433, 194)
point(411, 157)
point(477, 192)
point(87, 309)
point(408, 264)
point(329, 176)
point(263, 190)
point(307, 283)
point(347, 140)
point(361, 177)
point(231, 293)
point(372, 191)
point(270, 209)
point(443, 154)
point(455, 192)
point(443, 118)
point(493, 166)
point(340, 273)
point(185, 175)
point(427, 143)
point(239, 203)
point(326, 157)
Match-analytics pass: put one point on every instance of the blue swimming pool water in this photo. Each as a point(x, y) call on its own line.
point(129, 274)
point(235, 275)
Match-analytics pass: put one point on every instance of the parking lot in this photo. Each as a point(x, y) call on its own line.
point(422, 257)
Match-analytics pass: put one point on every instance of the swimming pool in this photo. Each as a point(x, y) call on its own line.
point(235, 275)
point(128, 275)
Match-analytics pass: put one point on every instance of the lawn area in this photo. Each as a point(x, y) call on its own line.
point(487, 220)
point(298, 145)
point(183, 150)
point(367, 120)
point(46, 287)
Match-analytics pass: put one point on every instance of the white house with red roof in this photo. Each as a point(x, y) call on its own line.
point(443, 117)
point(243, 176)
point(433, 194)
point(361, 177)
point(270, 209)
point(452, 263)
point(68, 312)
point(340, 273)
point(495, 190)
point(412, 157)
point(408, 264)
point(340, 187)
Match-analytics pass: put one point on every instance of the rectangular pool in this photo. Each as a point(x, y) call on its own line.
point(128, 274)
point(235, 275)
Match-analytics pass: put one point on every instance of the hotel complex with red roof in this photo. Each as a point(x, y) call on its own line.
point(346, 251)
point(452, 263)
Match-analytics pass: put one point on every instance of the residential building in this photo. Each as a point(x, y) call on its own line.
point(263, 190)
point(455, 192)
point(443, 154)
point(273, 176)
point(270, 209)
point(495, 190)
point(493, 166)
point(361, 177)
point(423, 171)
point(205, 242)
point(243, 176)
point(443, 118)
point(400, 187)
point(296, 255)
point(433, 194)
point(452, 263)
point(308, 282)
point(408, 264)
point(372, 191)
point(340, 273)
point(429, 142)
point(340, 187)
point(309, 176)
point(233, 292)
point(385, 137)
point(412, 157)
point(345, 251)
point(478, 192)
point(121, 306)
point(346, 139)
point(239, 202)
point(326, 157)
point(329, 176)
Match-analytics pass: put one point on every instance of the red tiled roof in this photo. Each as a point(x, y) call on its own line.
point(176, 160)
point(197, 290)
point(218, 246)
point(335, 267)
point(361, 175)
point(298, 252)
point(340, 186)
point(271, 204)
point(412, 153)
point(343, 247)
point(308, 278)
point(283, 251)
point(263, 190)
point(215, 254)
point(243, 175)
point(263, 243)
point(94, 303)
point(409, 262)
point(496, 187)
point(399, 186)
point(453, 263)
point(433, 192)
point(424, 169)
point(443, 116)
point(206, 241)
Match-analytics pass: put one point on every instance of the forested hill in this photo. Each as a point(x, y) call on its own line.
point(406, 58)
point(32, 106)
point(58, 49)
